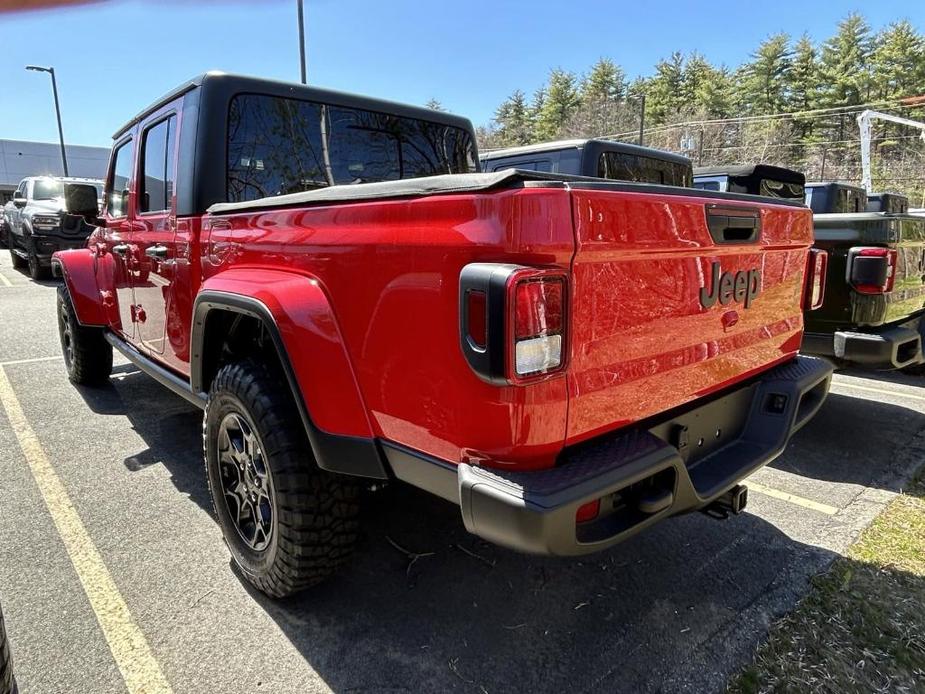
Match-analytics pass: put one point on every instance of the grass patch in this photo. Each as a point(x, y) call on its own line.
point(862, 627)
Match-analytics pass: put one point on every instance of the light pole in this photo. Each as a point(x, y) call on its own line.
point(302, 41)
point(54, 89)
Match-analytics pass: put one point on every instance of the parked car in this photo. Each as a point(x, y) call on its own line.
point(617, 161)
point(754, 179)
point(560, 357)
point(50, 214)
point(5, 213)
point(7, 680)
point(875, 286)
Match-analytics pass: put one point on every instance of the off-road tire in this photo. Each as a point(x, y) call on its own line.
point(7, 684)
point(314, 525)
point(87, 355)
point(37, 271)
point(18, 262)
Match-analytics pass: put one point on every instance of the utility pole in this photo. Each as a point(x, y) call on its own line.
point(302, 41)
point(642, 119)
point(54, 89)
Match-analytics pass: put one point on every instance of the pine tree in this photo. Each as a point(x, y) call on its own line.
point(664, 94)
point(561, 100)
point(714, 94)
point(898, 62)
point(845, 64)
point(764, 78)
point(514, 121)
point(605, 83)
point(434, 105)
point(804, 79)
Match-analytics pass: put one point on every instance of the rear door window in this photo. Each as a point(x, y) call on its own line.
point(119, 177)
point(157, 177)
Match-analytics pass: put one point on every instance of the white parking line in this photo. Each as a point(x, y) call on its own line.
point(34, 360)
point(792, 498)
point(882, 391)
point(4, 281)
point(129, 646)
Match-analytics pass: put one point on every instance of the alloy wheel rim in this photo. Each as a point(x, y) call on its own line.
point(247, 487)
point(67, 337)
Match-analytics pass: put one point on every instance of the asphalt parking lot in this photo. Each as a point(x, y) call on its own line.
point(103, 502)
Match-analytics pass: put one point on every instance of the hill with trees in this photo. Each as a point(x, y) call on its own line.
point(793, 103)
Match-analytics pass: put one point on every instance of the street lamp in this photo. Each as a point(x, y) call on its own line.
point(301, 40)
point(54, 89)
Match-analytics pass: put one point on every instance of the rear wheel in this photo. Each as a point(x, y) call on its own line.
point(7, 684)
point(288, 524)
point(87, 355)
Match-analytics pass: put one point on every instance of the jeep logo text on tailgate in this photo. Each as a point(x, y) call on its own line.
point(744, 285)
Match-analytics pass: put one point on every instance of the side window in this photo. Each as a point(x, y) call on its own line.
point(157, 173)
point(706, 185)
point(119, 176)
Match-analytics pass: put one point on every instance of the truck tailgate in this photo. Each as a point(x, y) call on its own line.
point(650, 331)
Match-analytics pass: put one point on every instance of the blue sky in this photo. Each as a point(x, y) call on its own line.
point(114, 58)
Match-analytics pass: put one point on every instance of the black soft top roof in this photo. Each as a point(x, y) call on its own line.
point(836, 184)
point(245, 84)
point(610, 145)
point(777, 173)
point(470, 183)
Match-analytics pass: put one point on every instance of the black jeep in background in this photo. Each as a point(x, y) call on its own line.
point(754, 179)
point(618, 161)
point(875, 285)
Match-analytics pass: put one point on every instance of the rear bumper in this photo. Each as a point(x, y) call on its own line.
point(891, 347)
point(679, 464)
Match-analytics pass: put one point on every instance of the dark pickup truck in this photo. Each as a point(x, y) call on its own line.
point(618, 161)
point(875, 286)
point(596, 355)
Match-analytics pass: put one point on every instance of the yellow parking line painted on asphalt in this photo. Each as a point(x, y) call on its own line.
point(792, 498)
point(129, 647)
point(4, 281)
point(882, 391)
point(34, 360)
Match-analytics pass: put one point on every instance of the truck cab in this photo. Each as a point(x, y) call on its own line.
point(754, 179)
point(618, 161)
point(875, 287)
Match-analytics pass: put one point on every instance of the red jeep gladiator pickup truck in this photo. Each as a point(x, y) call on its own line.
point(567, 359)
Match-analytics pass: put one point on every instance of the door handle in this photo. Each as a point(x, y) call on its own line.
point(120, 249)
point(156, 252)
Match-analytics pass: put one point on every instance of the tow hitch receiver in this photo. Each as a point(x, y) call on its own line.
point(732, 503)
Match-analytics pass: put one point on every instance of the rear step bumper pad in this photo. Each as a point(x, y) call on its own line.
point(887, 348)
point(639, 476)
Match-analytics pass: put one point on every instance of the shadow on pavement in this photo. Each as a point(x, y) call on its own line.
point(858, 441)
point(425, 606)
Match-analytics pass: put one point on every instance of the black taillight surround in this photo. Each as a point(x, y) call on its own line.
point(871, 269)
point(493, 362)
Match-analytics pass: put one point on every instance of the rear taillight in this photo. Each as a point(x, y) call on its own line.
point(871, 270)
point(513, 321)
point(538, 323)
point(816, 267)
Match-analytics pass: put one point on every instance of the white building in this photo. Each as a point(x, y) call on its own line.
point(19, 159)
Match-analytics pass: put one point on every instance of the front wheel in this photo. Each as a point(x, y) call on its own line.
point(37, 271)
point(288, 524)
point(18, 262)
point(87, 355)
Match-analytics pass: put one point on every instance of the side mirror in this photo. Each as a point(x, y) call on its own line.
point(19, 199)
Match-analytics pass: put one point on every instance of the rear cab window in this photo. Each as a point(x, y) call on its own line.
point(279, 145)
point(622, 166)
